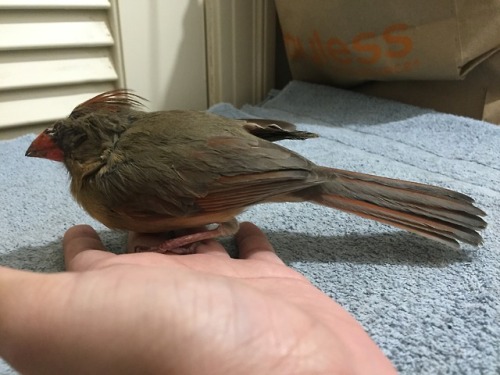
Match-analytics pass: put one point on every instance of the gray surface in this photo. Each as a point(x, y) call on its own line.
point(432, 309)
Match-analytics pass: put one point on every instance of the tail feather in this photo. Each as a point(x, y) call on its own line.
point(433, 212)
point(410, 192)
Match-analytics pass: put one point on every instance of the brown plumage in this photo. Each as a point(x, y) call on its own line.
point(162, 171)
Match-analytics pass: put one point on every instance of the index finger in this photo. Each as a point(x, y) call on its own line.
point(253, 244)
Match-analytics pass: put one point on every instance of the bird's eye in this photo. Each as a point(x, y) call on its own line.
point(54, 128)
point(49, 131)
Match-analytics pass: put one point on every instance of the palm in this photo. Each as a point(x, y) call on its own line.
point(199, 313)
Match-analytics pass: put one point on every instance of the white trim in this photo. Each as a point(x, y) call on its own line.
point(240, 50)
point(117, 51)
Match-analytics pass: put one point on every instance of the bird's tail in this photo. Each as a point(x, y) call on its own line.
point(439, 214)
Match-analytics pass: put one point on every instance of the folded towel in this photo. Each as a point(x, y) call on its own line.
point(432, 309)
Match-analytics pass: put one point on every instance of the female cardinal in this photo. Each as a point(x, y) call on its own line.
point(162, 171)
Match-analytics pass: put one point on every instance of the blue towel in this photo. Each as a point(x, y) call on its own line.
point(432, 309)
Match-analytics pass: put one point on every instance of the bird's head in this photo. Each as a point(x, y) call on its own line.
point(90, 128)
point(58, 142)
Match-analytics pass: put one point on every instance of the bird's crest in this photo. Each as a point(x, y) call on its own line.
point(112, 101)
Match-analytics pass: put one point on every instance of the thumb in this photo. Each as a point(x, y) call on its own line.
point(83, 248)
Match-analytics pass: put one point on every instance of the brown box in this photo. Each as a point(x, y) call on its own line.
point(436, 54)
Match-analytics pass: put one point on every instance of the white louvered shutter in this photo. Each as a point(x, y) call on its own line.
point(55, 54)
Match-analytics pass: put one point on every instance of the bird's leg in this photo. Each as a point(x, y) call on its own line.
point(188, 243)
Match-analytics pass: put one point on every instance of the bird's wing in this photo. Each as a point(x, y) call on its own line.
point(181, 173)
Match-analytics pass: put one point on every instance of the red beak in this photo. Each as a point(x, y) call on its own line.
point(44, 147)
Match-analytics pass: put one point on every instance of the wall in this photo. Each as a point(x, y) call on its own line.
point(164, 52)
point(167, 48)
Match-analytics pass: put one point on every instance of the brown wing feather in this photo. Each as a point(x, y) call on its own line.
point(273, 131)
point(244, 190)
point(153, 214)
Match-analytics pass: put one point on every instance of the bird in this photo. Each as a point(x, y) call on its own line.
point(195, 171)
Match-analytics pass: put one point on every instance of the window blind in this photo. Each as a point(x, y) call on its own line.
point(55, 54)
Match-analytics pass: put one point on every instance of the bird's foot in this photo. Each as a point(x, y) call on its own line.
point(188, 243)
point(181, 250)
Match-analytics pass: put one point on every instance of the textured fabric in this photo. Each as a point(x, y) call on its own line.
point(432, 309)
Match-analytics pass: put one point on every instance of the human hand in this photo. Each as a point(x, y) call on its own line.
point(152, 313)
